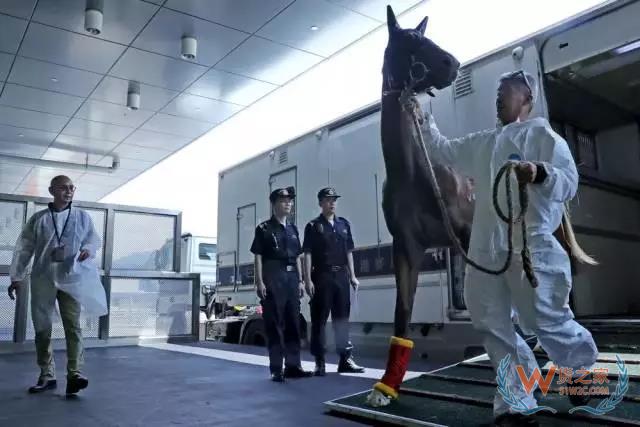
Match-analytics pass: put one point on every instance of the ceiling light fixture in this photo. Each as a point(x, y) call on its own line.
point(53, 79)
point(133, 96)
point(93, 16)
point(189, 47)
point(20, 135)
point(314, 28)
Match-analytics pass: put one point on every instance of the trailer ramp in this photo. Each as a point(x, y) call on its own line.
point(462, 395)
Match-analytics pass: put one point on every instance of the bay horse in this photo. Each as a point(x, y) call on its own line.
point(409, 204)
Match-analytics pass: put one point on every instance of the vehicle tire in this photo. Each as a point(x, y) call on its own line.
point(255, 334)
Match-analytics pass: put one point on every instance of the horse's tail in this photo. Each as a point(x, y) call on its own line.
point(575, 250)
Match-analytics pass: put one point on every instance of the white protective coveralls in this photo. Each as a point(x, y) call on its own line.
point(544, 310)
point(38, 239)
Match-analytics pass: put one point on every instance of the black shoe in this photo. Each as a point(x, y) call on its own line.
point(76, 383)
point(277, 377)
point(515, 420)
point(43, 385)
point(296, 372)
point(579, 399)
point(348, 365)
point(320, 370)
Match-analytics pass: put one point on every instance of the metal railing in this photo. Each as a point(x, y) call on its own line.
point(147, 295)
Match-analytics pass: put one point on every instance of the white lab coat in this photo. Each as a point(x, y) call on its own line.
point(38, 240)
point(544, 310)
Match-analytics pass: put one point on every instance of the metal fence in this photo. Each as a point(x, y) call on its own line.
point(140, 270)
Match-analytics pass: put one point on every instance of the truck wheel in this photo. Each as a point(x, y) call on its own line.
point(255, 334)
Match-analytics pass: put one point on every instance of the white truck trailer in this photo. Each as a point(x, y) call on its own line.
point(589, 67)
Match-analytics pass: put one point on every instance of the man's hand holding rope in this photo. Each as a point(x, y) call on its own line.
point(525, 172)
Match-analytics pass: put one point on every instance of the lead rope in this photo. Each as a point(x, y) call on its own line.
point(410, 103)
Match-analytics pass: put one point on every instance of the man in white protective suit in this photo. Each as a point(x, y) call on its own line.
point(546, 164)
point(54, 237)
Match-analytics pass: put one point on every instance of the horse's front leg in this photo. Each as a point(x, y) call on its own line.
point(406, 272)
point(406, 257)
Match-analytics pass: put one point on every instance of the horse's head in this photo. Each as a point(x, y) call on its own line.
point(409, 52)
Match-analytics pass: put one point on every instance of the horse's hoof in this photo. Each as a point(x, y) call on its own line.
point(377, 399)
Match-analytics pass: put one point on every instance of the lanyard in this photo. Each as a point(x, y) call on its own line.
point(55, 225)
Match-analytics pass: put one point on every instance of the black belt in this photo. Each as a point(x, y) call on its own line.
point(280, 263)
point(332, 268)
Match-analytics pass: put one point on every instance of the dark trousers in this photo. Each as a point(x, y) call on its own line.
point(331, 295)
point(281, 314)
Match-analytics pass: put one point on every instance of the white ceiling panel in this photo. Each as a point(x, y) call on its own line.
point(164, 33)
point(140, 153)
point(24, 150)
point(66, 48)
point(42, 176)
point(127, 164)
point(157, 70)
point(33, 190)
point(201, 108)
point(24, 136)
point(11, 30)
point(93, 181)
point(82, 142)
point(7, 187)
point(245, 15)
point(40, 100)
point(87, 195)
point(107, 112)
point(96, 130)
point(19, 8)
point(228, 87)
point(13, 173)
point(177, 125)
point(268, 61)
point(122, 19)
point(376, 9)
point(162, 141)
point(152, 98)
point(60, 155)
point(5, 65)
point(120, 173)
point(337, 27)
point(45, 75)
point(31, 119)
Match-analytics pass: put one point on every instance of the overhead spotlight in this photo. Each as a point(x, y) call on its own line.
point(189, 47)
point(93, 16)
point(314, 28)
point(133, 96)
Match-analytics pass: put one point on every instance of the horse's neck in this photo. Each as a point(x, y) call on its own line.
point(397, 139)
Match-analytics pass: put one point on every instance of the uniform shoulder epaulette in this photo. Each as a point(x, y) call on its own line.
point(263, 225)
point(341, 218)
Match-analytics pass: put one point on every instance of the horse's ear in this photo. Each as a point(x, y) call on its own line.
point(422, 26)
point(392, 23)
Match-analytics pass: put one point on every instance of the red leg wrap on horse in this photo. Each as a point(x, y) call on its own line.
point(397, 363)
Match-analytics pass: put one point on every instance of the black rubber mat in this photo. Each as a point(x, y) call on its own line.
point(462, 395)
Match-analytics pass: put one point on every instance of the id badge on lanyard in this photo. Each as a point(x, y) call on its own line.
point(58, 253)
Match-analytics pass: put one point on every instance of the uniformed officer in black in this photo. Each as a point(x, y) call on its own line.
point(276, 246)
point(328, 274)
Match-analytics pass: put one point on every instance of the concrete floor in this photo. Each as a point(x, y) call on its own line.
point(139, 386)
